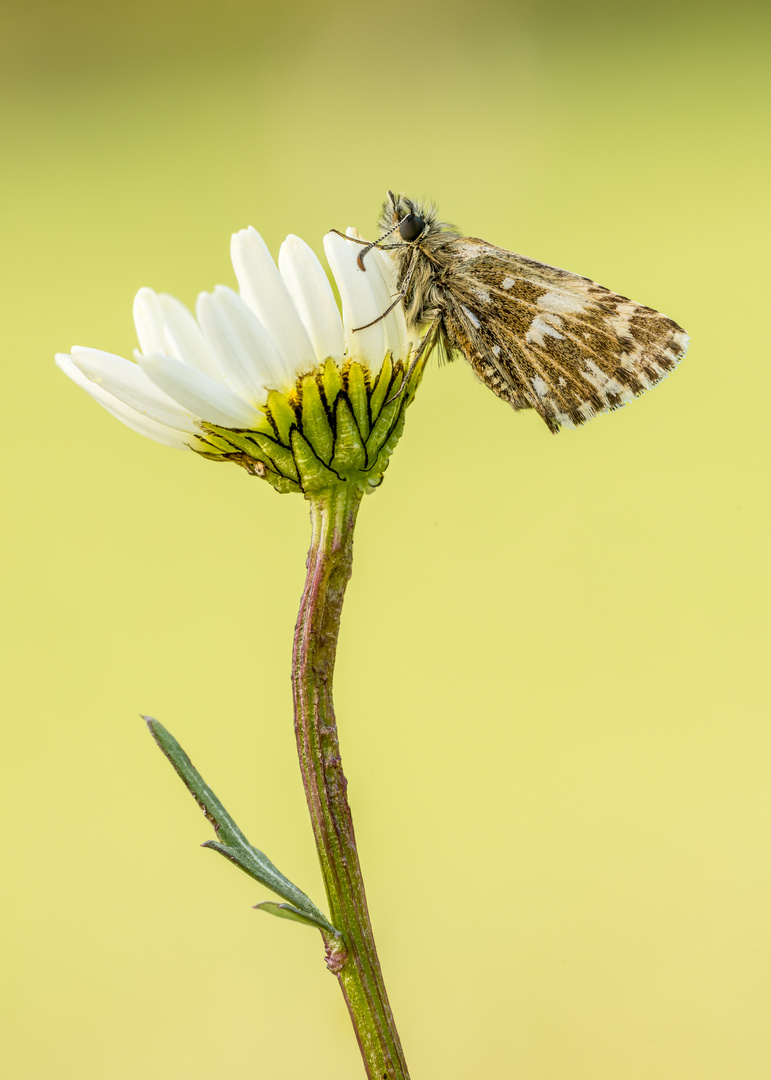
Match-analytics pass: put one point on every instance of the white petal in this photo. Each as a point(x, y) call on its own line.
point(247, 354)
point(397, 337)
point(194, 390)
point(148, 319)
point(364, 298)
point(183, 338)
point(130, 417)
point(266, 294)
point(127, 382)
point(312, 294)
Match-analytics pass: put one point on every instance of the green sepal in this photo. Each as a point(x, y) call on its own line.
point(382, 387)
point(381, 461)
point(259, 447)
point(349, 448)
point(230, 841)
point(282, 484)
point(280, 457)
point(332, 426)
point(357, 393)
point(315, 424)
point(382, 429)
point(257, 467)
point(286, 911)
point(332, 382)
point(314, 474)
point(226, 444)
point(239, 440)
point(282, 414)
point(213, 456)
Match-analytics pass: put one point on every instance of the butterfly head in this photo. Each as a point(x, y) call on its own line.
point(410, 218)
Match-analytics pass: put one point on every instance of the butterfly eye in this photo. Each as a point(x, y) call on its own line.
point(411, 227)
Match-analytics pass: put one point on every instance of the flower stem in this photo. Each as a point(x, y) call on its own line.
point(353, 960)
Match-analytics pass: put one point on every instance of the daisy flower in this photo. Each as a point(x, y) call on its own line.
point(270, 377)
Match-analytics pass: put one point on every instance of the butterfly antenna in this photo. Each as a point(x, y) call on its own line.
point(374, 243)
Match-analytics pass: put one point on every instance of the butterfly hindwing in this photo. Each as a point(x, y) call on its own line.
point(546, 339)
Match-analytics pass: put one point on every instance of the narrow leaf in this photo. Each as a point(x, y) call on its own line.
point(286, 911)
point(230, 841)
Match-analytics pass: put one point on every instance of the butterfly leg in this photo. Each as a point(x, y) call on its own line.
point(426, 345)
point(402, 293)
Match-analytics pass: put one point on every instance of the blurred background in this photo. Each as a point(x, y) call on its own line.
point(552, 679)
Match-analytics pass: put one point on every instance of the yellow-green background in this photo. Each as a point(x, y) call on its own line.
point(552, 681)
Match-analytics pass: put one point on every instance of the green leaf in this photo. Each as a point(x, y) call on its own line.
point(230, 841)
point(286, 911)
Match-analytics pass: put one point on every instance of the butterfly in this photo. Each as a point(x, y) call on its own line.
point(539, 337)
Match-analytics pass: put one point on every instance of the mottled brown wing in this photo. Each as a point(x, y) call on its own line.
point(544, 339)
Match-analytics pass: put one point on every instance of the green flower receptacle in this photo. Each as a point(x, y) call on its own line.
point(335, 426)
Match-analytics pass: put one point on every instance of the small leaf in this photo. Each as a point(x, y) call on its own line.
point(230, 841)
point(286, 911)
